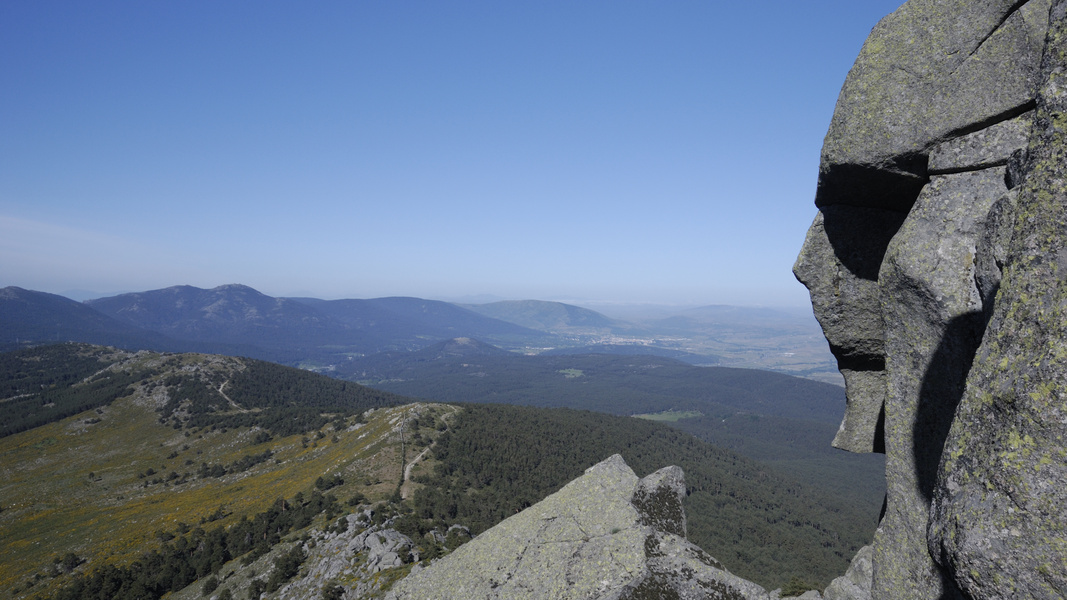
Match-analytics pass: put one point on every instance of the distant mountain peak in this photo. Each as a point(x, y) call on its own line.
point(240, 287)
point(11, 292)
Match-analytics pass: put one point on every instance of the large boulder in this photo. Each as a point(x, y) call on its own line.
point(932, 70)
point(999, 515)
point(605, 536)
point(941, 207)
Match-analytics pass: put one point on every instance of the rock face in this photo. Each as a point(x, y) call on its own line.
point(606, 535)
point(856, 582)
point(935, 268)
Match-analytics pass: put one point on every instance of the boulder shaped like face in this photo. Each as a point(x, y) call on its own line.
point(839, 264)
point(903, 259)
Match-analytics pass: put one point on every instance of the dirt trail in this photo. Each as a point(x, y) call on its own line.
point(405, 488)
point(414, 461)
point(233, 404)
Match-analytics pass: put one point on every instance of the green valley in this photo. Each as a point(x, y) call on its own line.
point(189, 446)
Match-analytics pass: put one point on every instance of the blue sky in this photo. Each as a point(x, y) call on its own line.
point(590, 151)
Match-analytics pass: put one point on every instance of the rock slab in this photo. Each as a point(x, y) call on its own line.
point(607, 535)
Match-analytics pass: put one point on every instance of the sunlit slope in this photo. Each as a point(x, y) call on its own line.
point(155, 445)
point(107, 483)
point(72, 487)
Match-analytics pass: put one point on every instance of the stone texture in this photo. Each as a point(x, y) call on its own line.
point(998, 520)
point(855, 584)
point(597, 538)
point(933, 314)
point(935, 123)
point(989, 147)
point(928, 72)
point(357, 556)
point(839, 264)
point(384, 548)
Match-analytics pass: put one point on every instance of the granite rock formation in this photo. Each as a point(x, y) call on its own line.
point(934, 268)
point(937, 267)
point(605, 536)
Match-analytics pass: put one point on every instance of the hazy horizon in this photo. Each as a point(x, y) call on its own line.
point(589, 152)
point(600, 305)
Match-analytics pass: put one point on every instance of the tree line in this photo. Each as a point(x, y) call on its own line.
point(497, 460)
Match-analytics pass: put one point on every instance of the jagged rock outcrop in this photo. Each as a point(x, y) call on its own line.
point(933, 266)
point(999, 514)
point(384, 548)
point(356, 557)
point(856, 582)
point(606, 535)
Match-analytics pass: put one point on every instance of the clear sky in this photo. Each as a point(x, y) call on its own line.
point(653, 151)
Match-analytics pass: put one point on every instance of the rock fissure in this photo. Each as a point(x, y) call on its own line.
point(1009, 114)
point(1007, 15)
point(964, 312)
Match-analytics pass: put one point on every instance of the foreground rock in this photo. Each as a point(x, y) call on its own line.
point(935, 267)
point(999, 517)
point(606, 535)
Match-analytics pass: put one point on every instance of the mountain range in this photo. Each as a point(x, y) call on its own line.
point(324, 334)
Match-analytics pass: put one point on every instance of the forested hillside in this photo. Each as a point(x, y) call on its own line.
point(31, 317)
point(496, 460)
point(47, 383)
point(786, 422)
point(139, 491)
point(153, 444)
point(604, 383)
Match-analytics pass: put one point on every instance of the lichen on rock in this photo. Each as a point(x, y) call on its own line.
point(935, 263)
point(998, 520)
point(606, 536)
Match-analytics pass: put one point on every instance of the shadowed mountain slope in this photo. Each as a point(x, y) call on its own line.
point(236, 319)
point(407, 318)
point(30, 317)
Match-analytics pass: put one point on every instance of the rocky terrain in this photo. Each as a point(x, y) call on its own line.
point(934, 269)
point(144, 475)
point(605, 535)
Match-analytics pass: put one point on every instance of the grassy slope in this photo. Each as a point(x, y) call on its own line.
point(51, 505)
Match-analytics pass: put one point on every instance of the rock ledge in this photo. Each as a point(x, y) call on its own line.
point(607, 535)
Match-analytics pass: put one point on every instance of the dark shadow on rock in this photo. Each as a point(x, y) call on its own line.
point(860, 236)
point(940, 393)
point(893, 186)
point(951, 590)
